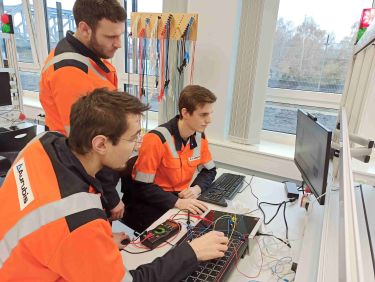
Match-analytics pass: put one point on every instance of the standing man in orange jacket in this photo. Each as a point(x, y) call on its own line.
point(52, 224)
point(77, 66)
point(174, 163)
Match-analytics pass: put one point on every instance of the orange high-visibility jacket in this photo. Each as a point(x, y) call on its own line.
point(52, 223)
point(71, 70)
point(164, 161)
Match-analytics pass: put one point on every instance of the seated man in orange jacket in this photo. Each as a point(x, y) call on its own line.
point(174, 163)
point(53, 227)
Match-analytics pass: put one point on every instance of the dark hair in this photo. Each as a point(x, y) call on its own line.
point(92, 11)
point(101, 112)
point(193, 96)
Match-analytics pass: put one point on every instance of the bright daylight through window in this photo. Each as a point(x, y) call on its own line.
point(313, 44)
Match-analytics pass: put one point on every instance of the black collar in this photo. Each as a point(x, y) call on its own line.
point(70, 161)
point(177, 136)
point(83, 50)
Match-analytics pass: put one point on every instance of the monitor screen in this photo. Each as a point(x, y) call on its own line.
point(312, 149)
point(5, 94)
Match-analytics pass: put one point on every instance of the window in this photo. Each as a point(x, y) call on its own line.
point(21, 34)
point(26, 53)
point(284, 116)
point(60, 19)
point(313, 45)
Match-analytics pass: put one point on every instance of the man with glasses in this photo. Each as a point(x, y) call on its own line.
point(174, 164)
point(77, 66)
point(53, 227)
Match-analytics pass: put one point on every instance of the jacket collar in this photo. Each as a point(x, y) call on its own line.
point(177, 136)
point(70, 161)
point(83, 50)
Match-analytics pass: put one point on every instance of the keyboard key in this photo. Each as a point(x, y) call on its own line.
point(210, 278)
point(214, 273)
point(210, 265)
point(206, 271)
point(195, 274)
point(203, 277)
point(221, 262)
point(225, 187)
point(217, 268)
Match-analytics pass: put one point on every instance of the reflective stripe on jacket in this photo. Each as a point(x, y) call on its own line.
point(53, 226)
point(160, 163)
point(68, 75)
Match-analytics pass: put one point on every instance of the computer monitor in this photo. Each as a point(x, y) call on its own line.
point(312, 149)
point(5, 93)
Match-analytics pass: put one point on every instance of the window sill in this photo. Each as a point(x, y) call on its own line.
point(277, 159)
point(32, 102)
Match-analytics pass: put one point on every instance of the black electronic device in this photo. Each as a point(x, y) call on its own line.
point(125, 241)
point(237, 228)
point(312, 149)
point(5, 92)
point(160, 234)
point(225, 187)
point(291, 190)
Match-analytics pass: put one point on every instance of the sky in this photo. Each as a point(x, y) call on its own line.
point(335, 16)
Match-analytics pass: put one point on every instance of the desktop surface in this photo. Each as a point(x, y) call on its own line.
point(268, 260)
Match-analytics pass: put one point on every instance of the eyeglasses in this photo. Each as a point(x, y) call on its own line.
point(137, 141)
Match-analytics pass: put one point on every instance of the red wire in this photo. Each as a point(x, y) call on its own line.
point(192, 64)
point(197, 216)
point(141, 35)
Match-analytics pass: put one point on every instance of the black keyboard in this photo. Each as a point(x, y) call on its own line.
point(219, 269)
point(225, 187)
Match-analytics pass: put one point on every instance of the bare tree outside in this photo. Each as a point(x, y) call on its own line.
point(307, 57)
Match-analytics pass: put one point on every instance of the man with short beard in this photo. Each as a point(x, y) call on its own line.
point(77, 66)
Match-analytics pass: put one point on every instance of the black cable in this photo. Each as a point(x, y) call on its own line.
point(278, 208)
point(248, 184)
point(186, 210)
point(170, 244)
point(271, 235)
point(286, 223)
point(134, 253)
point(272, 204)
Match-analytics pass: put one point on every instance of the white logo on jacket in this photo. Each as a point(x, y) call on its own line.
point(194, 158)
point(25, 194)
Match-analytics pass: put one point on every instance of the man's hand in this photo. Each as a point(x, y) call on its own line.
point(210, 246)
point(118, 237)
point(190, 193)
point(193, 205)
point(118, 211)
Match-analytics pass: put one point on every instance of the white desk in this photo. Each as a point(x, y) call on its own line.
point(265, 190)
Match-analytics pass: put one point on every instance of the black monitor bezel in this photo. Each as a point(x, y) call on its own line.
point(321, 199)
point(7, 99)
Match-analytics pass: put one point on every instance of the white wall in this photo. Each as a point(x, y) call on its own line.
point(215, 56)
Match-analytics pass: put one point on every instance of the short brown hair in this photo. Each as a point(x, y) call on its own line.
point(92, 11)
point(101, 112)
point(193, 96)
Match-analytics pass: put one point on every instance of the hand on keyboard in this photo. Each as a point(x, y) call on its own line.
point(190, 193)
point(193, 205)
point(210, 246)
